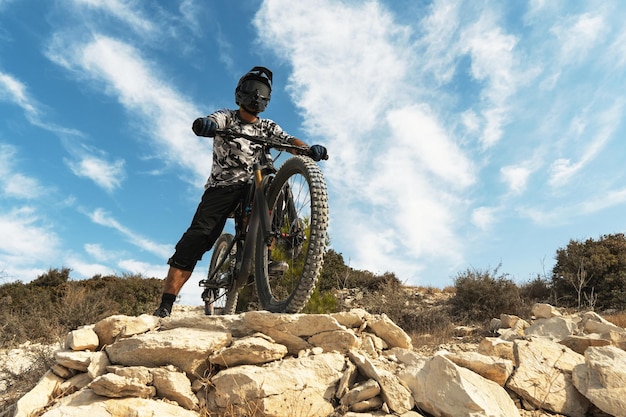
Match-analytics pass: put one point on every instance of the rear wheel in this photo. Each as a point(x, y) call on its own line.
point(220, 295)
point(298, 203)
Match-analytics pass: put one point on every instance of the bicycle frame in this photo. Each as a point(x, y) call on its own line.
point(246, 226)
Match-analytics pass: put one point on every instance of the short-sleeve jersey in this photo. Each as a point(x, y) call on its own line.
point(233, 158)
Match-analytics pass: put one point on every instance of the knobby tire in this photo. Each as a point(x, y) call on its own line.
point(291, 292)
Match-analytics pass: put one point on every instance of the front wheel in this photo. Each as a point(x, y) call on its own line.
point(288, 263)
point(220, 295)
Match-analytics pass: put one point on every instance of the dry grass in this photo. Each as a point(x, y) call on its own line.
point(617, 318)
point(19, 383)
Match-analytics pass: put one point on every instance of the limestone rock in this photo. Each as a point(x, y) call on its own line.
point(187, 349)
point(119, 326)
point(555, 328)
point(494, 346)
point(335, 340)
point(545, 311)
point(296, 324)
point(543, 376)
point(390, 332)
point(294, 386)
point(442, 388)
point(174, 386)
point(354, 318)
point(87, 404)
point(139, 373)
point(251, 350)
point(78, 361)
point(83, 338)
point(393, 391)
point(602, 379)
point(593, 323)
point(579, 344)
point(509, 321)
point(350, 364)
point(116, 386)
point(495, 369)
point(39, 396)
point(98, 364)
point(361, 392)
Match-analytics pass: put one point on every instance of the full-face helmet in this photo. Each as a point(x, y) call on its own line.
point(254, 90)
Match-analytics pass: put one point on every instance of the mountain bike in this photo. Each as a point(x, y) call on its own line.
point(280, 235)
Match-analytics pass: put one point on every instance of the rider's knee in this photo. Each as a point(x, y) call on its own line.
point(182, 264)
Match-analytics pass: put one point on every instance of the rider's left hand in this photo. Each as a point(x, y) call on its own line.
point(318, 152)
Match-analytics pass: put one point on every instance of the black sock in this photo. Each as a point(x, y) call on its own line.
point(167, 301)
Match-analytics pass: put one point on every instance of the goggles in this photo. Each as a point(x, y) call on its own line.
point(251, 86)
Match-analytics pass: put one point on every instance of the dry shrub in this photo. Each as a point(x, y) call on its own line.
point(45, 309)
point(484, 294)
point(19, 383)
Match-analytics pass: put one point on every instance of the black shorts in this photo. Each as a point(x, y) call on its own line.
point(207, 225)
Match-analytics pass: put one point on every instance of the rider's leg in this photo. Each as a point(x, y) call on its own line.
point(206, 226)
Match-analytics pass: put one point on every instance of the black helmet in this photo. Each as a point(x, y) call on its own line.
point(254, 89)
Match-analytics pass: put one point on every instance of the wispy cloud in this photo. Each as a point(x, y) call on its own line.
point(15, 184)
point(492, 62)
point(118, 69)
point(384, 141)
point(103, 218)
point(123, 11)
point(107, 174)
point(26, 238)
point(516, 177)
point(578, 35)
point(595, 138)
point(14, 91)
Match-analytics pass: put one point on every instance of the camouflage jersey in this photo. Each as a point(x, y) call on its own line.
point(233, 159)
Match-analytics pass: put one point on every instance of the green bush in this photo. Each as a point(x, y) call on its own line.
point(321, 302)
point(592, 273)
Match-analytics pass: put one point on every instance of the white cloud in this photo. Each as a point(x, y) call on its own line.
point(484, 217)
point(145, 269)
point(15, 184)
point(423, 140)
point(595, 138)
point(439, 39)
point(98, 252)
point(516, 177)
point(108, 175)
point(578, 35)
point(609, 199)
point(134, 82)
point(122, 10)
point(493, 62)
point(399, 173)
point(101, 217)
point(26, 238)
point(12, 90)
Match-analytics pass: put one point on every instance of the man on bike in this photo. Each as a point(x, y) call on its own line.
point(231, 175)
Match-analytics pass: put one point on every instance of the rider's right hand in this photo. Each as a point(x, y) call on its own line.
point(204, 126)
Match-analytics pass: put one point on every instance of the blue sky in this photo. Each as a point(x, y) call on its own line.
point(461, 134)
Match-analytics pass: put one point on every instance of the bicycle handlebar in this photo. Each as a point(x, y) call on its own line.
point(267, 141)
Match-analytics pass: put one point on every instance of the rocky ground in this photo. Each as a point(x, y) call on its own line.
point(352, 364)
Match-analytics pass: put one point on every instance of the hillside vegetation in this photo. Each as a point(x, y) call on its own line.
point(588, 274)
